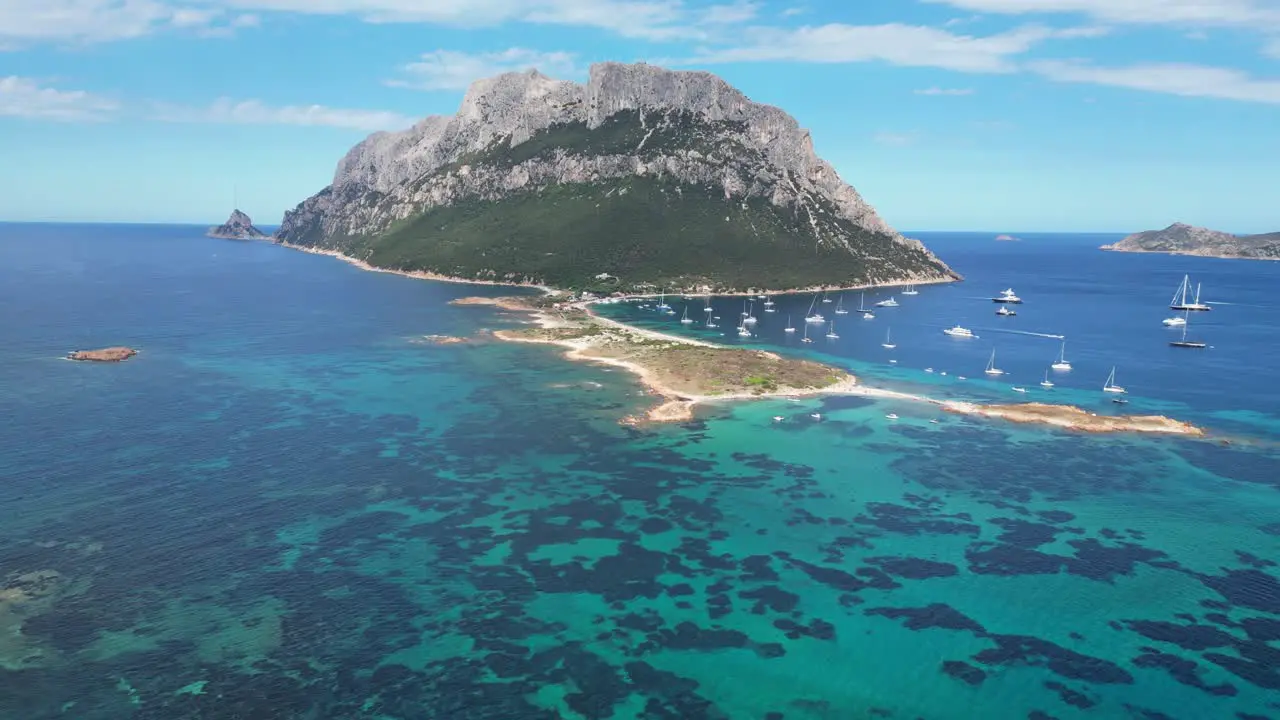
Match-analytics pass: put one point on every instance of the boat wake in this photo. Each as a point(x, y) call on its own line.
point(1026, 332)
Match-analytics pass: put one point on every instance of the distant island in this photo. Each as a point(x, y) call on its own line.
point(111, 354)
point(640, 179)
point(1182, 239)
point(237, 227)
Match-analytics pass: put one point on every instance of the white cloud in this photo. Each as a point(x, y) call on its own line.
point(1272, 49)
point(907, 45)
point(944, 91)
point(27, 98)
point(254, 112)
point(1213, 13)
point(793, 11)
point(107, 20)
point(733, 13)
point(452, 70)
point(23, 22)
point(650, 19)
point(895, 139)
point(1169, 78)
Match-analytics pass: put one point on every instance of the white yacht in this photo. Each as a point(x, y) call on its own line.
point(1046, 383)
point(840, 306)
point(1174, 321)
point(862, 308)
point(991, 365)
point(743, 331)
point(1062, 364)
point(1019, 389)
point(958, 331)
point(806, 337)
point(1005, 311)
point(685, 319)
point(662, 301)
point(911, 290)
point(790, 328)
point(831, 332)
point(887, 303)
point(825, 299)
point(747, 317)
point(1007, 296)
point(767, 301)
point(892, 416)
point(1111, 386)
point(887, 344)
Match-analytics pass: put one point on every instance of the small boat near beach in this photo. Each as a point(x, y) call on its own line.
point(892, 416)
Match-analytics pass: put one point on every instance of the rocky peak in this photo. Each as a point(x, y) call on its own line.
point(237, 227)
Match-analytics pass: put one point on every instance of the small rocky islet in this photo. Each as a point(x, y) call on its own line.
point(237, 227)
point(117, 353)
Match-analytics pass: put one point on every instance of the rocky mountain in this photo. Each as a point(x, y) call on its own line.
point(1180, 239)
point(237, 227)
point(641, 176)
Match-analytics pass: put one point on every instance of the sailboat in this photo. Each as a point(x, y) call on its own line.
point(1111, 386)
point(662, 300)
point(911, 290)
point(1046, 383)
point(743, 331)
point(825, 299)
point(790, 328)
point(814, 317)
point(888, 344)
point(831, 332)
point(1061, 364)
point(1184, 342)
point(708, 306)
point(749, 318)
point(840, 306)
point(767, 301)
point(862, 308)
point(991, 365)
point(1179, 300)
point(685, 319)
point(806, 337)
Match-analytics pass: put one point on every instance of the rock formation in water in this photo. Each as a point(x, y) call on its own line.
point(639, 177)
point(111, 354)
point(237, 227)
point(1180, 239)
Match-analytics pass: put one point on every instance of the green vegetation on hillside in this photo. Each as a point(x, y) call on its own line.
point(641, 230)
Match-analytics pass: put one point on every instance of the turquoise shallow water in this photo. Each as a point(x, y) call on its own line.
point(290, 506)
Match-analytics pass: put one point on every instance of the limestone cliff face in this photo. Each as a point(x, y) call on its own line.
point(1182, 239)
point(522, 133)
point(237, 227)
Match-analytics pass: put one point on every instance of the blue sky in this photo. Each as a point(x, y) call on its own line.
point(1003, 115)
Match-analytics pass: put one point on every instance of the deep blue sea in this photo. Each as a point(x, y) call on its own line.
point(292, 505)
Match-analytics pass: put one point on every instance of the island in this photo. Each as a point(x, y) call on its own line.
point(1074, 418)
point(686, 372)
point(682, 372)
point(1182, 239)
point(237, 227)
point(640, 179)
point(110, 354)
